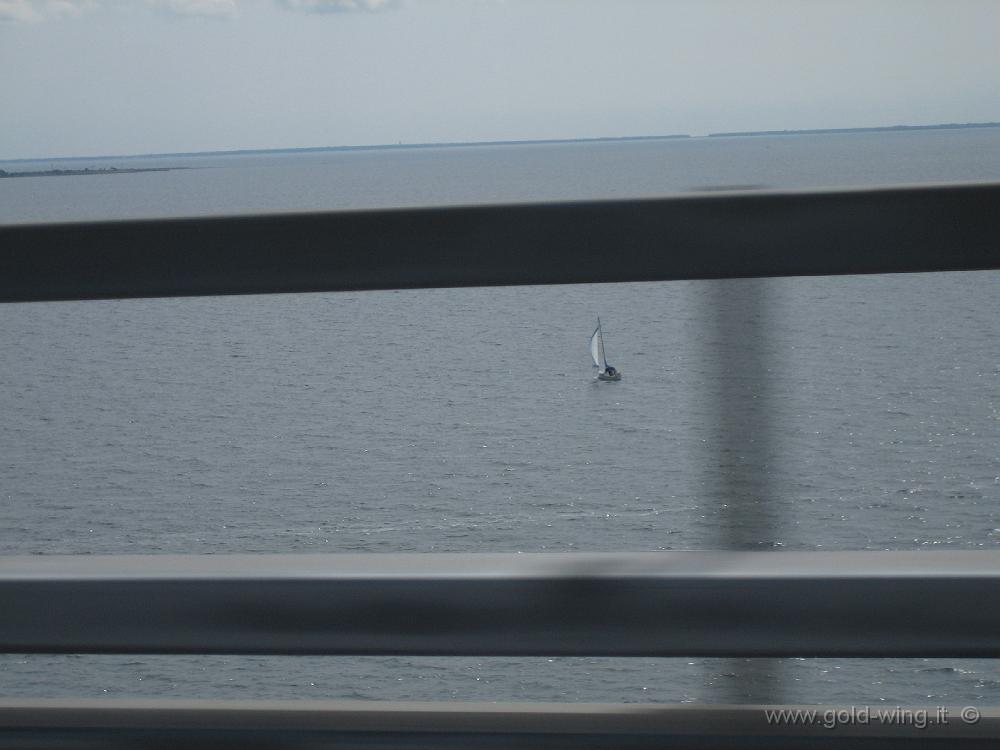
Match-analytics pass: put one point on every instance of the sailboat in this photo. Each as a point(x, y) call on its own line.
point(605, 371)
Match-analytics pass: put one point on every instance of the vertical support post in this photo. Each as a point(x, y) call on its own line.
point(738, 488)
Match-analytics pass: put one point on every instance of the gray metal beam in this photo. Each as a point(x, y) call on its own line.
point(886, 604)
point(715, 235)
point(83, 724)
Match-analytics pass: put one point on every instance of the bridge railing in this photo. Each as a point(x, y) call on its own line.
point(697, 236)
point(737, 604)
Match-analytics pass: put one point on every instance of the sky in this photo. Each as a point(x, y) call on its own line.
point(108, 77)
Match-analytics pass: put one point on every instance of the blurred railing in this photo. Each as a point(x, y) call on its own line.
point(736, 604)
point(706, 236)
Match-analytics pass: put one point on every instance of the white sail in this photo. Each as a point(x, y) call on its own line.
point(597, 348)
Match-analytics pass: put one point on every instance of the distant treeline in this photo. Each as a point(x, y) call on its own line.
point(885, 129)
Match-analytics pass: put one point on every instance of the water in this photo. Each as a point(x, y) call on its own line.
point(468, 420)
point(566, 171)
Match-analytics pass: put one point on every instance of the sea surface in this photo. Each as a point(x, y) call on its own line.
point(469, 420)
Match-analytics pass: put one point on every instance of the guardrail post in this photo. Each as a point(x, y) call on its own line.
point(738, 460)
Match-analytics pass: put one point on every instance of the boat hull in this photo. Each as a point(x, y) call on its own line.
point(604, 376)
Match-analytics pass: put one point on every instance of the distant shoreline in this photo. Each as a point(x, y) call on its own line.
point(376, 147)
point(883, 129)
point(74, 172)
point(470, 144)
point(407, 146)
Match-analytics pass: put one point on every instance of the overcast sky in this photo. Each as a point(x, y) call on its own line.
point(89, 77)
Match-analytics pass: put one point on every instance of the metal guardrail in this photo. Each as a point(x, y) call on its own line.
point(705, 236)
point(654, 604)
point(346, 725)
point(718, 604)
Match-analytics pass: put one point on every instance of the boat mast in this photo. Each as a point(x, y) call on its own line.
point(600, 335)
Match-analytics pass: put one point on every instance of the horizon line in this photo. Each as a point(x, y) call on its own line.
point(509, 142)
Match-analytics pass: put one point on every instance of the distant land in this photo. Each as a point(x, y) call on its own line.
point(884, 129)
point(450, 144)
point(377, 147)
point(461, 144)
point(71, 172)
